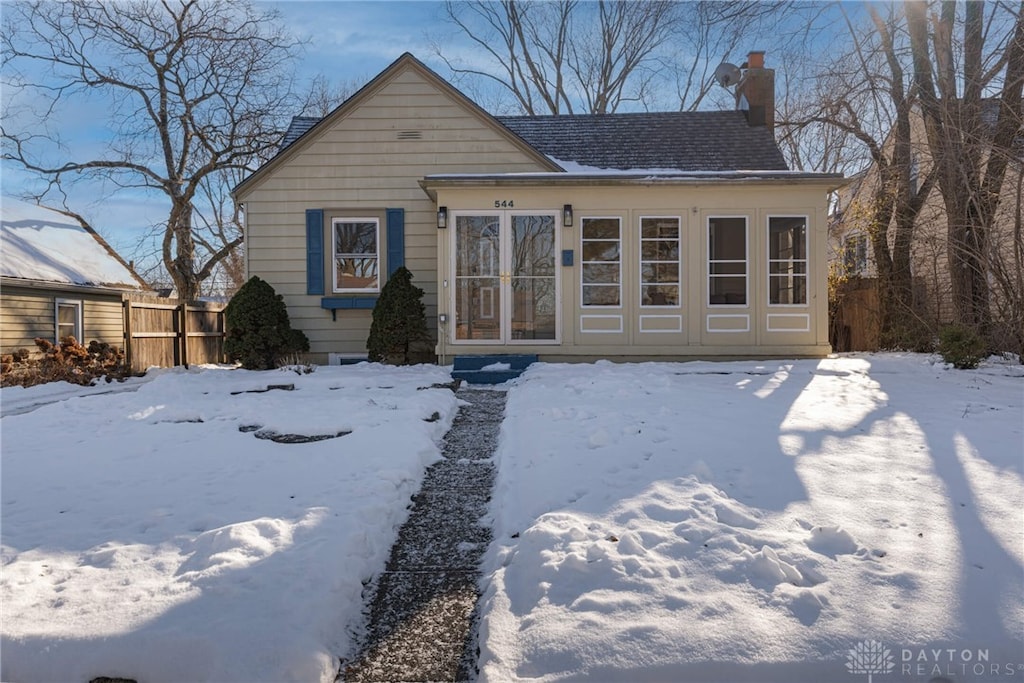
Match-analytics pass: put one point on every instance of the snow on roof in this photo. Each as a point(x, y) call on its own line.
point(39, 244)
point(574, 170)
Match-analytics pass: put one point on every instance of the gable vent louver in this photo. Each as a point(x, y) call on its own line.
point(410, 135)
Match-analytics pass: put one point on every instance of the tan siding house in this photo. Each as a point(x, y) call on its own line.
point(625, 236)
point(58, 279)
point(851, 251)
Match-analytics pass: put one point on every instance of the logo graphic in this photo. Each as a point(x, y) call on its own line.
point(869, 657)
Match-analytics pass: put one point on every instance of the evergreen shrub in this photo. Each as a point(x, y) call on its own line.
point(398, 333)
point(961, 346)
point(259, 332)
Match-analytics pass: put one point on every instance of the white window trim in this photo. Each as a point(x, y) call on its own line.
point(79, 324)
point(745, 262)
point(582, 262)
point(334, 255)
point(504, 218)
point(807, 260)
point(556, 217)
point(679, 263)
point(453, 229)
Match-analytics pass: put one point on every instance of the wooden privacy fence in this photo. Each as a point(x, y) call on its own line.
point(855, 316)
point(166, 333)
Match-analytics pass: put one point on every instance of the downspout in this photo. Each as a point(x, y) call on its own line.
point(245, 240)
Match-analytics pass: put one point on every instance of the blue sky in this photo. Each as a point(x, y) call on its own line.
point(348, 42)
point(356, 40)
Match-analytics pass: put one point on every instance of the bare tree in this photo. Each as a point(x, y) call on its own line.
point(325, 95)
point(864, 95)
point(570, 56)
point(196, 90)
point(808, 142)
point(1006, 266)
point(710, 33)
point(952, 75)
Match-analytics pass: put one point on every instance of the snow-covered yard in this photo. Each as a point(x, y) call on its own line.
point(757, 521)
point(737, 521)
point(146, 536)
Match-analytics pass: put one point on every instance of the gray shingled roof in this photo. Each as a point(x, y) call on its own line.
point(298, 126)
point(682, 141)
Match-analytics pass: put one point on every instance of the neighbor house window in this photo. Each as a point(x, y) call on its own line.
point(356, 254)
point(727, 261)
point(68, 319)
point(855, 254)
point(787, 260)
point(659, 261)
point(601, 265)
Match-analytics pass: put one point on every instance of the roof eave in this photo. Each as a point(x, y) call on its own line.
point(11, 281)
point(828, 181)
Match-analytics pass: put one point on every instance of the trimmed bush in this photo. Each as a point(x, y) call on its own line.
point(399, 328)
point(259, 332)
point(962, 347)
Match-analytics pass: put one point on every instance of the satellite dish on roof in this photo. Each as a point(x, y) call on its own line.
point(727, 74)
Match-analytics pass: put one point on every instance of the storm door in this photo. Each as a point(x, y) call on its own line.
point(506, 278)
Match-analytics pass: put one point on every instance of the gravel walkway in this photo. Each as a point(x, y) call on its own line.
point(421, 619)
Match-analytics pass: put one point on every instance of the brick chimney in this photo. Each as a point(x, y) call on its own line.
point(755, 94)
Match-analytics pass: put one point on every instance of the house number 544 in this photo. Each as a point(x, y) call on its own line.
point(503, 204)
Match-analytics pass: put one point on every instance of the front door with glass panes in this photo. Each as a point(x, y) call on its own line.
point(505, 288)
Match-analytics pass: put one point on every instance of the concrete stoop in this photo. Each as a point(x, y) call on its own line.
point(421, 617)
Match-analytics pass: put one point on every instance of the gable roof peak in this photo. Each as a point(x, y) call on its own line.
point(303, 128)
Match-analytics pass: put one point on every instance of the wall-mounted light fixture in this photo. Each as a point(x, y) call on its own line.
point(442, 217)
point(567, 216)
point(442, 318)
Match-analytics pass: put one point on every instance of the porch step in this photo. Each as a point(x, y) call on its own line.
point(492, 368)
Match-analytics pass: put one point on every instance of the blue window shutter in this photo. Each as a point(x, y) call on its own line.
point(396, 239)
point(314, 251)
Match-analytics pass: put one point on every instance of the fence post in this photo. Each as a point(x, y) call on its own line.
point(222, 327)
point(126, 312)
point(183, 327)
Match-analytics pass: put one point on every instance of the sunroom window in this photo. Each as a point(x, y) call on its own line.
point(787, 260)
point(659, 261)
point(356, 254)
point(601, 267)
point(727, 261)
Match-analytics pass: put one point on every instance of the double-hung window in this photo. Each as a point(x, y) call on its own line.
point(727, 261)
point(67, 319)
point(855, 255)
point(787, 260)
point(356, 254)
point(601, 267)
point(659, 261)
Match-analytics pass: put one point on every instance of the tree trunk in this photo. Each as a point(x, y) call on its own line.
point(179, 250)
